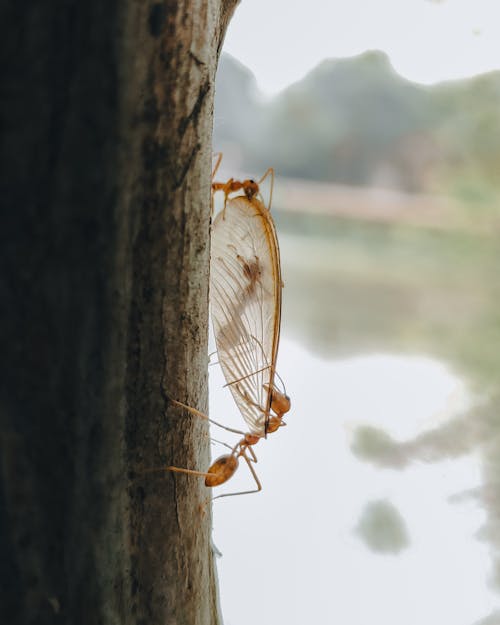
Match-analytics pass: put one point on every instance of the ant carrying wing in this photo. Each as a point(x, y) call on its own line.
point(245, 299)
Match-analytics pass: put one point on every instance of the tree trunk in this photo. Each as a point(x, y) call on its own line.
point(106, 115)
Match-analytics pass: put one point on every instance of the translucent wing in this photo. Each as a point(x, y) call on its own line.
point(246, 305)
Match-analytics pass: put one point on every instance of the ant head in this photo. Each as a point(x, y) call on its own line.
point(273, 424)
point(251, 188)
point(280, 402)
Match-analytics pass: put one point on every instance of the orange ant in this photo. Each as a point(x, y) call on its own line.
point(246, 289)
point(224, 467)
point(250, 187)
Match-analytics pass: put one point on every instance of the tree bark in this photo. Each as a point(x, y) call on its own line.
point(106, 115)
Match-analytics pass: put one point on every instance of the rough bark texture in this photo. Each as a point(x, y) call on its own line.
point(106, 114)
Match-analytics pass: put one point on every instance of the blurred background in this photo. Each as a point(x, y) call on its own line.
point(381, 498)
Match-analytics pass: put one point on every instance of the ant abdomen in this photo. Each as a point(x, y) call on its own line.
point(221, 470)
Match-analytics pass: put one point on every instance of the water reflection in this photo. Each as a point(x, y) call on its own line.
point(476, 431)
point(380, 499)
point(491, 619)
point(295, 549)
point(382, 528)
point(355, 288)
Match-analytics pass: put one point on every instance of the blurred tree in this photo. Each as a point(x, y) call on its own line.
point(106, 114)
point(470, 137)
point(356, 121)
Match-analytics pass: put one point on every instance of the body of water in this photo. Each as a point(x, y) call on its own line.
point(380, 500)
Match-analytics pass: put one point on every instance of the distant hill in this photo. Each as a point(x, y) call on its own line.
point(356, 121)
point(237, 110)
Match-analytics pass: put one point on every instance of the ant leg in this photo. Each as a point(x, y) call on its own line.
point(269, 172)
point(227, 191)
point(219, 159)
point(188, 471)
point(214, 440)
point(216, 186)
point(226, 188)
point(216, 362)
point(245, 492)
point(252, 452)
point(197, 413)
point(178, 470)
point(214, 171)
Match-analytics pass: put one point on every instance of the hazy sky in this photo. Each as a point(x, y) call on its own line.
point(427, 40)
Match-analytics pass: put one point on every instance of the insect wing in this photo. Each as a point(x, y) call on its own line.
point(246, 305)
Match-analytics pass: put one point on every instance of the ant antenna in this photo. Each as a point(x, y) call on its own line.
point(269, 172)
point(214, 440)
point(217, 164)
point(281, 380)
